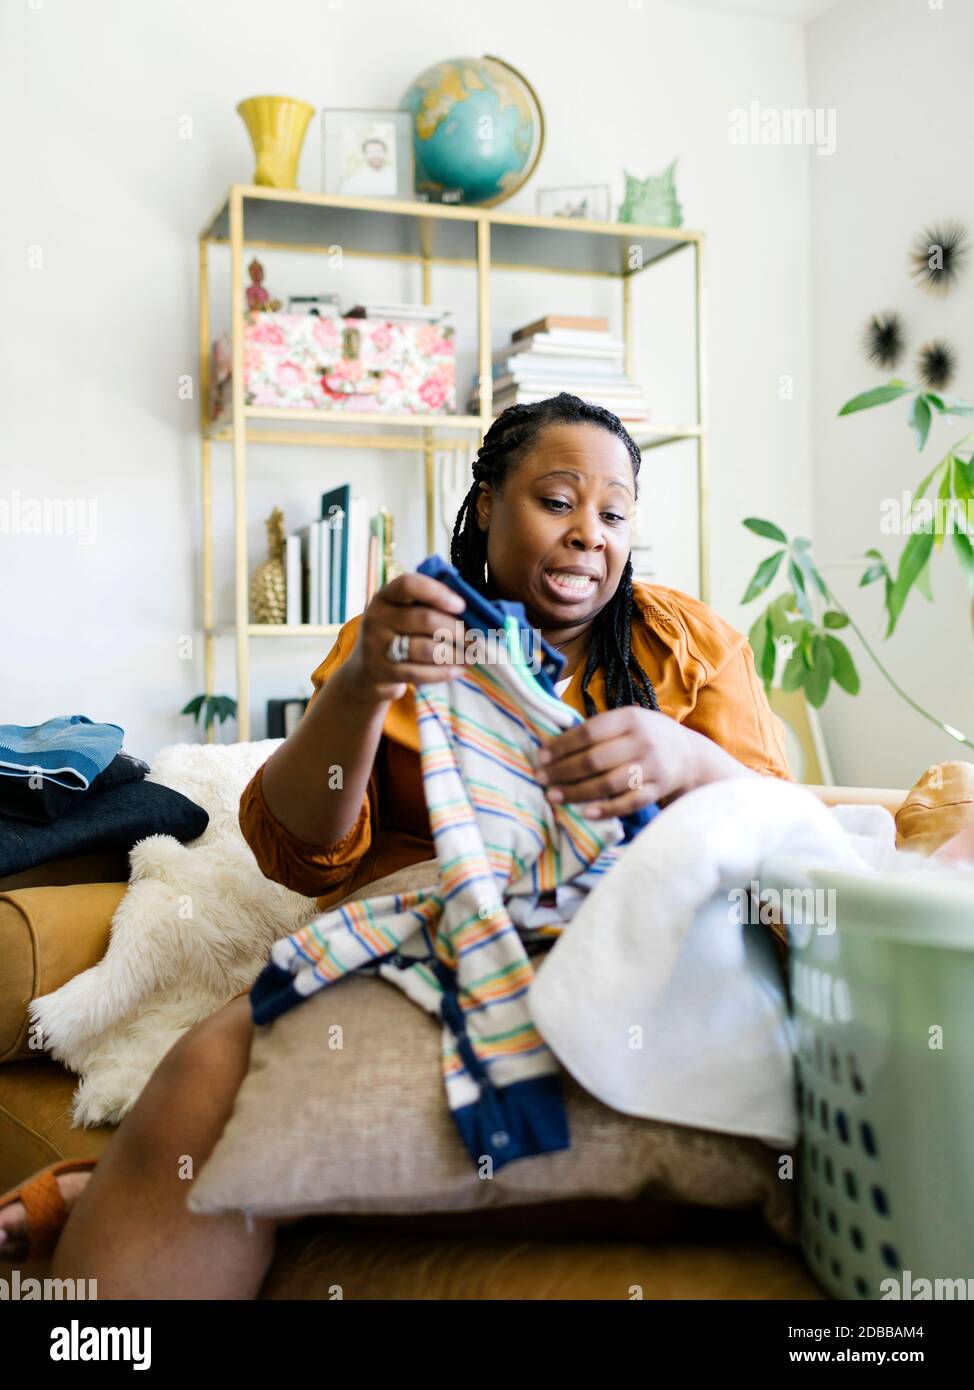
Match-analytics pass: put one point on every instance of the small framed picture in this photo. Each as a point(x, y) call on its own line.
point(367, 153)
point(590, 201)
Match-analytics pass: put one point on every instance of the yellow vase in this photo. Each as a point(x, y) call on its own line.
point(277, 127)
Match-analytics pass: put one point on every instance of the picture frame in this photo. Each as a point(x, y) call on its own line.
point(367, 152)
point(590, 201)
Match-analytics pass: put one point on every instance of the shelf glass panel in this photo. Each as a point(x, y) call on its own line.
point(390, 227)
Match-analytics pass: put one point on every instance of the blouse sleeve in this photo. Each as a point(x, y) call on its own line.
point(282, 857)
point(733, 710)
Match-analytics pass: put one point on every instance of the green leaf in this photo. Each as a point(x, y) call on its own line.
point(963, 479)
point(801, 543)
point(921, 490)
point(965, 554)
point(944, 493)
point(918, 417)
point(835, 619)
point(766, 529)
point(769, 660)
point(843, 667)
point(874, 554)
point(936, 401)
point(805, 646)
point(759, 636)
point(801, 598)
point(873, 573)
point(817, 680)
point(793, 676)
point(915, 555)
point(783, 621)
point(879, 395)
point(194, 706)
point(923, 583)
point(763, 576)
point(810, 572)
point(226, 708)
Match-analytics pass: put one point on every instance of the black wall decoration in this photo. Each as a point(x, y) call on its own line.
point(882, 339)
point(938, 255)
point(936, 364)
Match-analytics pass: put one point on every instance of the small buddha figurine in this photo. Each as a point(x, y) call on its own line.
point(258, 299)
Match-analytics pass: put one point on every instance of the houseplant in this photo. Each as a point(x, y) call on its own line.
point(806, 617)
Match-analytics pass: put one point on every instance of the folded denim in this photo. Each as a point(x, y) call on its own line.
point(115, 819)
point(47, 802)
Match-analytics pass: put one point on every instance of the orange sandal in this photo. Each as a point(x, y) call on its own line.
point(44, 1205)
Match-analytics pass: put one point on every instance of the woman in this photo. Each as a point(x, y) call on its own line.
point(672, 702)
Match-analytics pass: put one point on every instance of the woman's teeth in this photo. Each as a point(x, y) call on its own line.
point(575, 582)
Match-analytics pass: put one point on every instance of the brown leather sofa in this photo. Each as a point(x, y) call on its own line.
point(54, 923)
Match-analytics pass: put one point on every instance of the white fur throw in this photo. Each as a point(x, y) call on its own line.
point(192, 931)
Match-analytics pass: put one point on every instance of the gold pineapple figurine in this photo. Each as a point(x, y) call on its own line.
point(268, 587)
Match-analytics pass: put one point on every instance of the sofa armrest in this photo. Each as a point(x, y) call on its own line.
point(47, 936)
point(890, 799)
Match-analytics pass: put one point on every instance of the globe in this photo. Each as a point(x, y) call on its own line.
point(477, 127)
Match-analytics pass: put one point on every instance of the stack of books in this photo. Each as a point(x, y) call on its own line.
point(335, 564)
point(558, 353)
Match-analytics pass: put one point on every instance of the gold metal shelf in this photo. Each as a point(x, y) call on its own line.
point(295, 423)
point(293, 629)
point(278, 630)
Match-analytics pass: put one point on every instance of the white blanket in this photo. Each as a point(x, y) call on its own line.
point(657, 998)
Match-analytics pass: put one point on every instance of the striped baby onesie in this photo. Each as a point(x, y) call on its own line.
point(460, 950)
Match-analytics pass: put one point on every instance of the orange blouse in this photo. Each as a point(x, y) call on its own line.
point(703, 673)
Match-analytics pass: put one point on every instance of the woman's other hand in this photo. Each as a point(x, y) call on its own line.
point(624, 759)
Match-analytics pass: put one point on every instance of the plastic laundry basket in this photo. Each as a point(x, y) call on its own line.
point(883, 1016)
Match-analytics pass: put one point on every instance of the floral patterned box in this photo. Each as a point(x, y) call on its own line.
point(302, 361)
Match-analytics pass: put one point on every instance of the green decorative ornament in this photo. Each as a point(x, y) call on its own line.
point(652, 202)
point(478, 128)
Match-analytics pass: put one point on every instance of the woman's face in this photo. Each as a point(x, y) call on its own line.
point(559, 532)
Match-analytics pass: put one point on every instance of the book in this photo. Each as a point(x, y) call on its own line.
point(293, 581)
point(357, 557)
point(544, 364)
point(611, 347)
point(311, 569)
point(551, 321)
point(579, 386)
point(324, 570)
point(334, 509)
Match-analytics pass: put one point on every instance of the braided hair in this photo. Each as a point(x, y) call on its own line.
point(508, 439)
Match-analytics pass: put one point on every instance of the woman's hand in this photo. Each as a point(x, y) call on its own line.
point(410, 605)
point(623, 759)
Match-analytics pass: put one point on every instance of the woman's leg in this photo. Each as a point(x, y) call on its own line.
point(130, 1228)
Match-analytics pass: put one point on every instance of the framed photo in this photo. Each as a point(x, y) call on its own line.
point(367, 153)
point(590, 201)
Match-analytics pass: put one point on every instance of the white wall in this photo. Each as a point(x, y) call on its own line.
point(897, 73)
point(97, 177)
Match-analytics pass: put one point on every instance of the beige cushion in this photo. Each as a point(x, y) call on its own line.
point(365, 1127)
point(937, 807)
